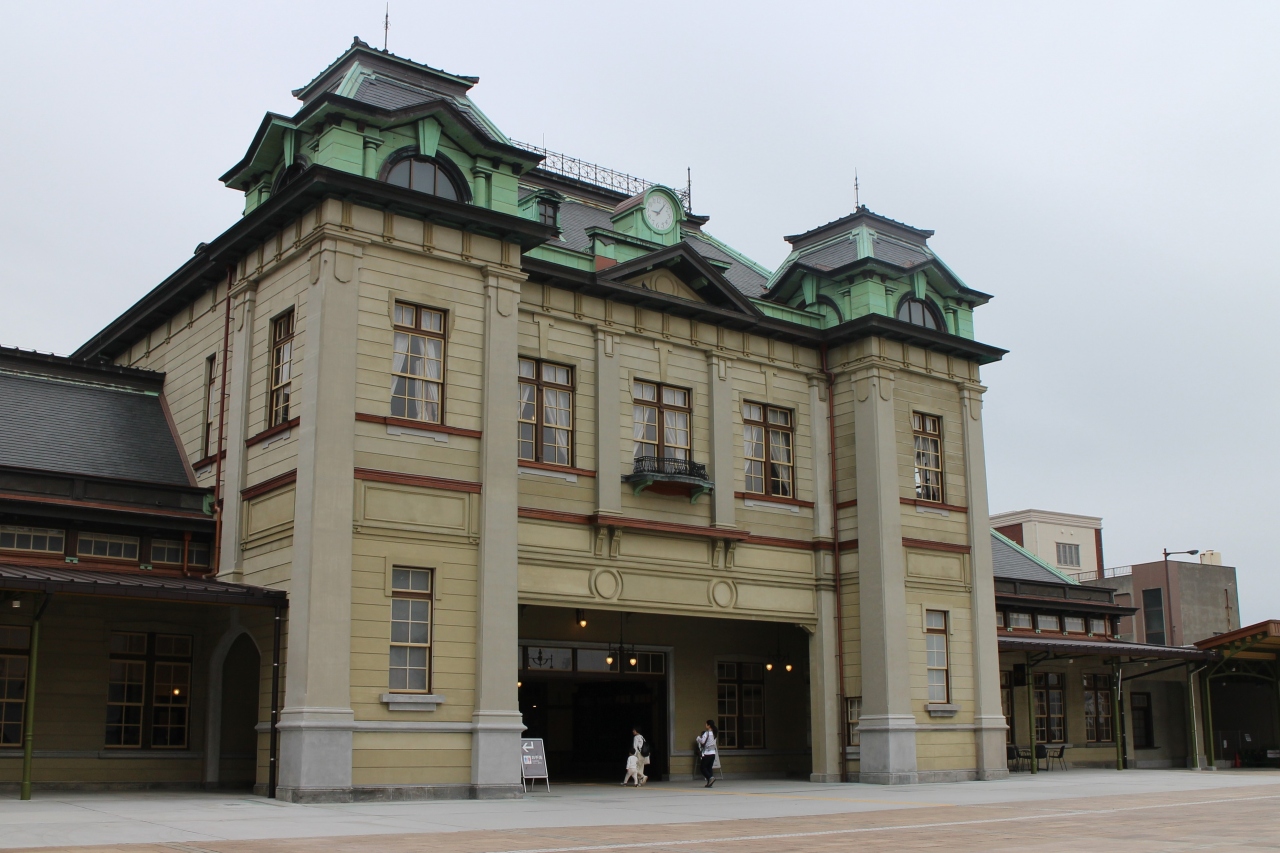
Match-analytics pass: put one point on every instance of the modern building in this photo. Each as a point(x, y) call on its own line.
point(532, 452)
point(1077, 692)
point(1178, 602)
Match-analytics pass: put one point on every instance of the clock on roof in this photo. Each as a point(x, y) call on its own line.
point(659, 212)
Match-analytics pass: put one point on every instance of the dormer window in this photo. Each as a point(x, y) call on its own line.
point(918, 312)
point(547, 211)
point(424, 175)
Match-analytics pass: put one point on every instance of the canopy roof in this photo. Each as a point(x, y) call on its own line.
point(26, 578)
point(1101, 648)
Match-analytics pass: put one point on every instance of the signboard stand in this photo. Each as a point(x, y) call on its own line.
point(533, 763)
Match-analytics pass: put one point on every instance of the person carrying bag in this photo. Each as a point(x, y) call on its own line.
point(707, 753)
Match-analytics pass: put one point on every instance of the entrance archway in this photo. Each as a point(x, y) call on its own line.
point(237, 762)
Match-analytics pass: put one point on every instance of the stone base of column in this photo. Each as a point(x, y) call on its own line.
point(989, 736)
point(824, 777)
point(887, 750)
point(315, 755)
point(495, 754)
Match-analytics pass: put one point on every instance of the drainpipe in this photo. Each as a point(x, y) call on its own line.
point(29, 713)
point(1211, 738)
point(835, 545)
point(273, 761)
point(222, 420)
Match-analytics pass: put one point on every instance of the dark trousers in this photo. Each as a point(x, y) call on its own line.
point(705, 763)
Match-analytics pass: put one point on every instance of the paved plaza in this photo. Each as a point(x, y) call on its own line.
point(1092, 810)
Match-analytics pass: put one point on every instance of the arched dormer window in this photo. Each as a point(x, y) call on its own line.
point(919, 312)
point(425, 175)
point(286, 176)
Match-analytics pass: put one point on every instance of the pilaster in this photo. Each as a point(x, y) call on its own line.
point(316, 722)
point(887, 724)
point(608, 408)
point(244, 298)
point(720, 383)
point(495, 744)
point(825, 717)
point(988, 717)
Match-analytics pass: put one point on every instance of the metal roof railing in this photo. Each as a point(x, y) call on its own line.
point(594, 174)
point(1116, 572)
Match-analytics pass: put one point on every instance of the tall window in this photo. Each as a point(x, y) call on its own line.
point(546, 412)
point(927, 431)
point(768, 441)
point(139, 717)
point(852, 714)
point(210, 404)
point(14, 644)
point(41, 540)
point(410, 668)
point(1068, 555)
point(740, 704)
point(1051, 719)
point(1006, 703)
point(1097, 709)
point(424, 175)
point(661, 420)
point(417, 367)
point(281, 368)
point(935, 626)
point(1153, 615)
point(1144, 730)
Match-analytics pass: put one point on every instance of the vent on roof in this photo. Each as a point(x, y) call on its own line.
point(591, 173)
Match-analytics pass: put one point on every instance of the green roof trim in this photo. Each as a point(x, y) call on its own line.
point(1033, 558)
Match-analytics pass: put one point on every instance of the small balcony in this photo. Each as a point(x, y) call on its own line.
point(663, 475)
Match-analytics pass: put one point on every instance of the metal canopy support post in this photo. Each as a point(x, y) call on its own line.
point(1031, 715)
point(1193, 737)
point(29, 712)
point(1208, 723)
point(273, 764)
point(1117, 724)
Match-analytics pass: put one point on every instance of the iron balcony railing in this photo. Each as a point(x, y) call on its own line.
point(669, 467)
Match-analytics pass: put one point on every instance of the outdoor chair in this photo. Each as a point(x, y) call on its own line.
point(1013, 756)
point(1058, 754)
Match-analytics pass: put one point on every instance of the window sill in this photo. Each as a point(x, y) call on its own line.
point(773, 501)
point(939, 709)
point(412, 701)
point(412, 427)
point(278, 432)
point(546, 469)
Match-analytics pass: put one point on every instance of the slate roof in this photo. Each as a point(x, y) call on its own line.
point(74, 426)
point(740, 275)
point(394, 95)
point(1015, 563)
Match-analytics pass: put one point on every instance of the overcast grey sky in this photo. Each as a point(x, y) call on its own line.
point(1108, 171)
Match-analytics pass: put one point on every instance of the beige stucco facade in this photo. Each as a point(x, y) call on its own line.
point(327, 507)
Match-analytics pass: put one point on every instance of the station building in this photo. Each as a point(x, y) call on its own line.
point(532, 452)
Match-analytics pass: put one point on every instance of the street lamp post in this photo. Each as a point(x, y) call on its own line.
point(1168, 590)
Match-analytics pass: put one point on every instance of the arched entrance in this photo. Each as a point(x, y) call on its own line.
point(241, 672)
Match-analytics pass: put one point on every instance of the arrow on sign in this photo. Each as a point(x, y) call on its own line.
point(528, 746)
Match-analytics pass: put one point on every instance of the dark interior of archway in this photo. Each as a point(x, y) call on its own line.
point(240, 683)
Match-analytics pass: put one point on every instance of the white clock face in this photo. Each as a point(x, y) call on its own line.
point(658, 212)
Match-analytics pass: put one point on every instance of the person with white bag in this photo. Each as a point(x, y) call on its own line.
point(707, 753)
point(640, 749)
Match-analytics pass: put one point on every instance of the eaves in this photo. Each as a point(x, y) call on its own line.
point(314, 185)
